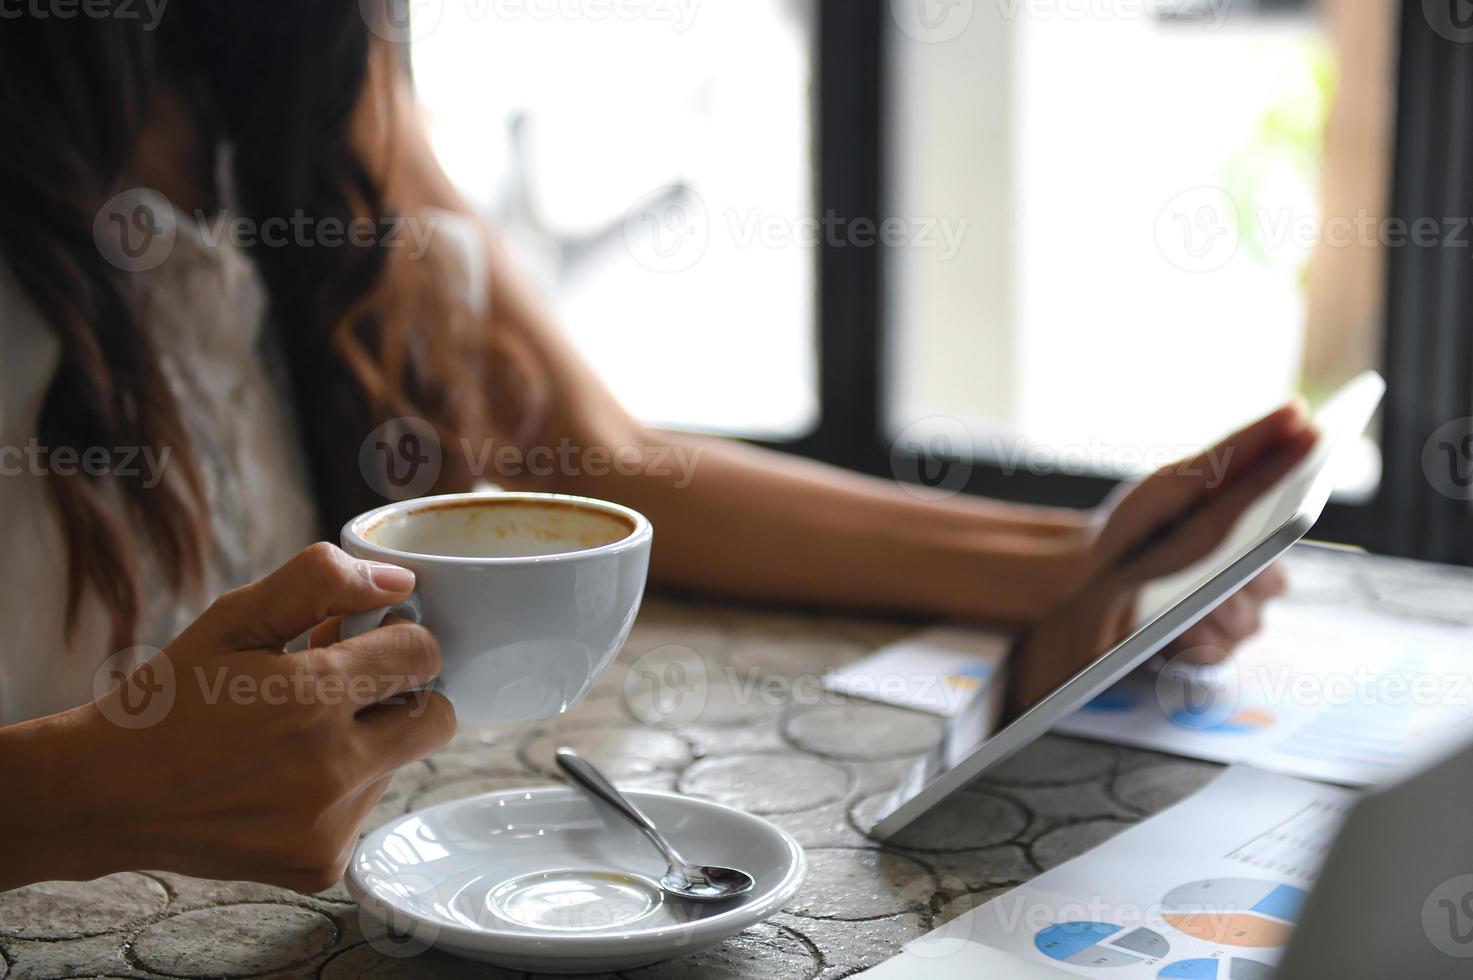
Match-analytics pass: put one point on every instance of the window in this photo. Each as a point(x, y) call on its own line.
point(1172, 217)
point(652, 162)
point(1099, 231)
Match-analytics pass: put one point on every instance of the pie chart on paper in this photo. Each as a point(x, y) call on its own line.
point(1223, 969)
point(1100, 944)
point(1244, 722)
point(1235, 911)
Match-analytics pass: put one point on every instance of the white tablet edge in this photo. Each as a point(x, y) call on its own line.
point(1363, 395)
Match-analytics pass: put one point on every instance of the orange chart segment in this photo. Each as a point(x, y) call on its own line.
point(1231, 929)
point(1234, 911)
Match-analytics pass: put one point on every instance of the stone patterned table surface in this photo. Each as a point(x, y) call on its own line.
point(721, 703)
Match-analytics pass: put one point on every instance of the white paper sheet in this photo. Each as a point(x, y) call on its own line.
point(1335, 694)
point(1207, 890)
point(938, 670)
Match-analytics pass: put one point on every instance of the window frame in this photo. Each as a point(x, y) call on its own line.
point(1428, 346)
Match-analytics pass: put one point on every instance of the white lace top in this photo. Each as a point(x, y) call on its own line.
point(207, 310)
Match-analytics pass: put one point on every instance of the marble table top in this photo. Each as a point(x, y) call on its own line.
point(723, 703)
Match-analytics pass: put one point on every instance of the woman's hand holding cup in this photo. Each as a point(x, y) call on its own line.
point(226, 756)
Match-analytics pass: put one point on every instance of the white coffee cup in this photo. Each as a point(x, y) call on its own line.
point(531, 595)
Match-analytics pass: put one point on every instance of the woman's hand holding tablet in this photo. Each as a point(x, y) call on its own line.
point(1157, 527)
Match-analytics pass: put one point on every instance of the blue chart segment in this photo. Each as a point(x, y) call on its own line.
point(1114, 701)
point(1224, 969)
point(1121, 700)
point(1100, 944)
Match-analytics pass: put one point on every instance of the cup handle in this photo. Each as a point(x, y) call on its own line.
point(357, 624)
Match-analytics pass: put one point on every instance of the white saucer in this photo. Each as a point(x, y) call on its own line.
point(542, 880)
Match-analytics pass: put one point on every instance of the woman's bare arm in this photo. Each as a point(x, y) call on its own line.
point(755, 524)
point(732, 519)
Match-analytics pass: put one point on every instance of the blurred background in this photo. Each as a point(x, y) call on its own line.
point(1017, 247)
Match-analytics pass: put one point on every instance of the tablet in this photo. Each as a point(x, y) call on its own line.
point(1169, 606)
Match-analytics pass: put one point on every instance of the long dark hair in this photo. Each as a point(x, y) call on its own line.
point(279, 83)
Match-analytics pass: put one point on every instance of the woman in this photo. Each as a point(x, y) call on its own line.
point(246, 370)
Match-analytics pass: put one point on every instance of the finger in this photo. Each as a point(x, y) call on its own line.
point(1237, 617)
point(1208, 648)
point(1220, 514)
point(316, 583)
point(1209, 526)
point(1268, 584)
point(1140, 510)
point(1240, 452)
point(330, 631)
point(398, 734)
point(327, 632)
point(1199, 646)
point(386, 662)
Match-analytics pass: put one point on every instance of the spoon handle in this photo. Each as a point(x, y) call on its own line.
point(585, 774)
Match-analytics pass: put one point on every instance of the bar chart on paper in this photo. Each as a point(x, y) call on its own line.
point(1350, 698)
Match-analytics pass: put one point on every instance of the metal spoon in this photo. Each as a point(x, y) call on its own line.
point(683, 880)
